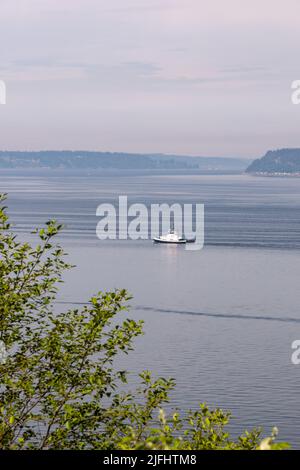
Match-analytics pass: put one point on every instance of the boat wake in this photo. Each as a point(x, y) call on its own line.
point(220, 315)
point(232, 316)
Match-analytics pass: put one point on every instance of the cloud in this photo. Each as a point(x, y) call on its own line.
point(161, 74)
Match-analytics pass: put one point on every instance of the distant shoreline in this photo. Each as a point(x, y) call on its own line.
point(94, 161)
point(52, 172)
point(274, 174)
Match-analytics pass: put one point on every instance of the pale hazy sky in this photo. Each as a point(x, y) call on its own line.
point(177, 76)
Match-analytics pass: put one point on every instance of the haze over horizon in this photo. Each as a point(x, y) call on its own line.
point(178, 77)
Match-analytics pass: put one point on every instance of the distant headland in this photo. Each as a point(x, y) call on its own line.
point(282, 162)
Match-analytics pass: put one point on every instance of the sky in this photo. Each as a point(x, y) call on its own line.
point(188, 77)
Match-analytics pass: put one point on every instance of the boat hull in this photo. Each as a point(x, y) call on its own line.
point(170, 242)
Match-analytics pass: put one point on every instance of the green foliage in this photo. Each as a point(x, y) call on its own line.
point(58, 385)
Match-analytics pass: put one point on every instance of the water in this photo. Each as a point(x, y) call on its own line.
point(221, 320)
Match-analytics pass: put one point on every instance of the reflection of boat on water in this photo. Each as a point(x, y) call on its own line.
point(172, 237)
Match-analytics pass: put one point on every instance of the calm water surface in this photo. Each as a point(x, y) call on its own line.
point(222, 320)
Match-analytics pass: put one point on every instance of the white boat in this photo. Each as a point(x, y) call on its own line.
point(171, 237)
